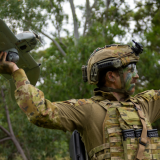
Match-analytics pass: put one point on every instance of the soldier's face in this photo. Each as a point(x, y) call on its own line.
point(130, 77)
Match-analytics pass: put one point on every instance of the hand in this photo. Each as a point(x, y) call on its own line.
point(5, 66)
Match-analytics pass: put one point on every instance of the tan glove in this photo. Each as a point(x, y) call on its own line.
point(5, 66)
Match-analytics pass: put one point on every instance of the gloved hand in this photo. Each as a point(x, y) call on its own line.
point(5, 66)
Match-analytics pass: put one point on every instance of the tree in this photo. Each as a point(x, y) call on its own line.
point(60, 79)
point(11, 133)
point(35, 15)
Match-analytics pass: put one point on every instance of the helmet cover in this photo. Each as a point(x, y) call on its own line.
point(122, 53)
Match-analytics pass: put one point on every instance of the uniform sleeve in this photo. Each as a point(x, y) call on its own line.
point(150, 102)
point(66, 115)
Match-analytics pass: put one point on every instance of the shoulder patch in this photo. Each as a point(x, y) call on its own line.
point(157, 95)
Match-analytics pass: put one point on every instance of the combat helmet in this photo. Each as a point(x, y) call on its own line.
point(113, 56)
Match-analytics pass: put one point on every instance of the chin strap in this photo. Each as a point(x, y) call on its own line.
point(108, 89)
point(122, 90)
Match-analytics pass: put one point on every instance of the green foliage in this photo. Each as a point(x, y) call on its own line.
point(150, 72)
point(60, 77)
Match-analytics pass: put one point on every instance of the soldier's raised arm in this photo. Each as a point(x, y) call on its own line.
point(66, 115)
point(40, 111)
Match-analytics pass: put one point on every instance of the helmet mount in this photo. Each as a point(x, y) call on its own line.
point(137, 49)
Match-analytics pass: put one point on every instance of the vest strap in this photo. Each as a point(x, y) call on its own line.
point(98, 149)
point(143, 139)
point(101, 157)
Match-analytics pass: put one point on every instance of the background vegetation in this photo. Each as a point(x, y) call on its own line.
point(103, 22)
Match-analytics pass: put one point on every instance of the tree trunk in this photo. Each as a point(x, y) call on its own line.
point(75, 20)
point(88, 15)
point(107, 7)
point(11, 134)
point(107, 3)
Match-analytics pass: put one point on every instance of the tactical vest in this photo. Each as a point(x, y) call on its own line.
point(122, 116)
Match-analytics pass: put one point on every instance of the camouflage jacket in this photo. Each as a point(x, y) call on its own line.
point(85, 115)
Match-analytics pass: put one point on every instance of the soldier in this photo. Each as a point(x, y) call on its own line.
point(113, 125)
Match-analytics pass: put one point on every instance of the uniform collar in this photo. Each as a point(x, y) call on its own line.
point(108, 95)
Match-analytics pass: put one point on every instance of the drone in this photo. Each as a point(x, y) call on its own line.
point(17, 48)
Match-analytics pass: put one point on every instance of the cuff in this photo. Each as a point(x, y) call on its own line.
point(20, 78)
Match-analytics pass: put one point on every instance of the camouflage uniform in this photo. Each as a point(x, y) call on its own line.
point(100, 119)
point(85, 115)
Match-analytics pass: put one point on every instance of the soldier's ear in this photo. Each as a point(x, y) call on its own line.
point(110, 76)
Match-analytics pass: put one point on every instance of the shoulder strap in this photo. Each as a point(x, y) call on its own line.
point(143, 139)
point(104, 104)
